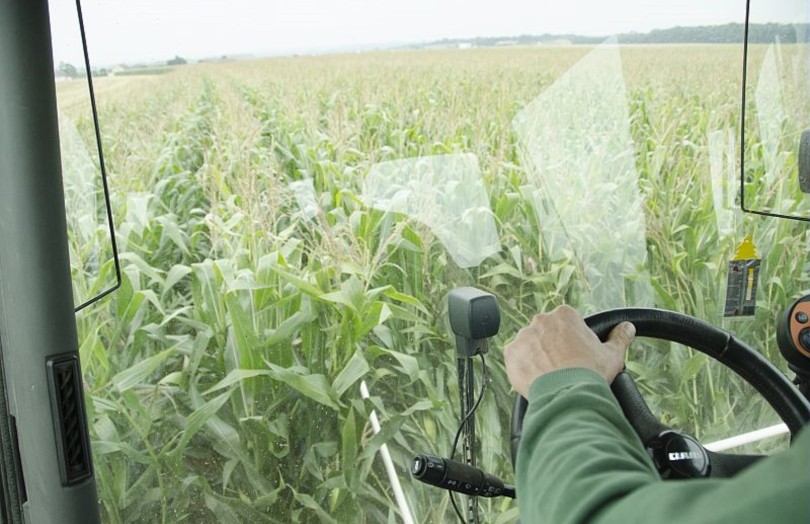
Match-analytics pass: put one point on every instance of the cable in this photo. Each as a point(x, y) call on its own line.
point(463, 422)
point(475, 406)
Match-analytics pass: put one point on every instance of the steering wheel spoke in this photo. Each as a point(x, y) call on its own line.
point(646, 425)
point(724, 465)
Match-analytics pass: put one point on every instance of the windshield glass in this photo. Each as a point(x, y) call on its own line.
point(92, 263)
point(292, 212)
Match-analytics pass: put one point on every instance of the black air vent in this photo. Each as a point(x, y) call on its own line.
point(70, 423)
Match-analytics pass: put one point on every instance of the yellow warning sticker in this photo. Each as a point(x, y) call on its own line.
point(743, 280)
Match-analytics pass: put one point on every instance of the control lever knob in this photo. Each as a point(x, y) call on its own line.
point(793, 336)
point(804, 339)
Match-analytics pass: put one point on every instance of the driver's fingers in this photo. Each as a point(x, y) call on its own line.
point(621, 337)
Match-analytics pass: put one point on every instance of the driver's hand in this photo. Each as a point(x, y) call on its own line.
point(560, 340)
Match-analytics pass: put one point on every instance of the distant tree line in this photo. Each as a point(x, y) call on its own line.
point(177, 60)
point(713, 34)
point(67, 70)
point(717, 34)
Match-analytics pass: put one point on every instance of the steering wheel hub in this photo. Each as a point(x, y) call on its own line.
point(679, 456)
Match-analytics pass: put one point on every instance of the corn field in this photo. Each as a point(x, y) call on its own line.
point(260, 288)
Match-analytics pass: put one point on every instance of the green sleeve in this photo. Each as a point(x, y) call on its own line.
point(580, 461)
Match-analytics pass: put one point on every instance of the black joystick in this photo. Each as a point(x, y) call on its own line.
point(474, 317)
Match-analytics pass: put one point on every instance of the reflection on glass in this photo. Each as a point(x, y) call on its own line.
point(444, 192)
point(89, 241)
point(777, 112)
point(770, 116)
point(88, 229)
point(575, 138)
point(79, 175)
point(304, 193)
point(725, 186)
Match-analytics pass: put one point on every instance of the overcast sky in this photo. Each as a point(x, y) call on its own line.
point(148, 30)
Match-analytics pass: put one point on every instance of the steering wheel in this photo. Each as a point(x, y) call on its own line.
point(676, 454)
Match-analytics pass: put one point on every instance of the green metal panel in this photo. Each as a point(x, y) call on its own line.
point(36, 304)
